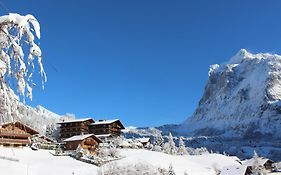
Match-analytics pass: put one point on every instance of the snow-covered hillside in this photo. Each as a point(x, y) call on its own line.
point(44, 163)
point(242, 98)
point(39, 118)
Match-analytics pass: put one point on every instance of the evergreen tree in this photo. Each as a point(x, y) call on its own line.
point(170, 146)
point(158, 144)
point(182, 149)
point(256, 168)
point(159, 141)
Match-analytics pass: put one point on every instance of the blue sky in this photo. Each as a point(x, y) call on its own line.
point(145, 62)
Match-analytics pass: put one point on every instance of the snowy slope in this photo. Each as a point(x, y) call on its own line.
point(242, 98)
point(43, 163)
point(38, 118)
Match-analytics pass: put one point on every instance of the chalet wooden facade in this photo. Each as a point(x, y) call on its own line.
point(74, 127)
point(87, 141)
point(106, 127)
point(16, 134)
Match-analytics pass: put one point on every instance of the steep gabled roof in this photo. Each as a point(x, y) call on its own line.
point(143, 139)
point(82, 137)
point(22, 126)
point(106, 122)
point(260, 161)
point(77, 120)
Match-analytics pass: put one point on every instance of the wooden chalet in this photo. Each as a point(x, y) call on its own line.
point(106, 127)
point(74, 127)
point(16, 134)
point(87, 141)
point(144, 140)
point(260, 161)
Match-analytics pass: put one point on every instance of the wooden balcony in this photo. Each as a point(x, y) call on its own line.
point(14, 134)
point(14, 141)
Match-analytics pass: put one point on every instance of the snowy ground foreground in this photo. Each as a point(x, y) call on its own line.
point(193, 165)
point(43, 163)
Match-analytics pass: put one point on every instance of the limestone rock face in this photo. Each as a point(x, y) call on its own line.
point(242, 98)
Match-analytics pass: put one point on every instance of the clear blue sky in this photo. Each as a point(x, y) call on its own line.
point(143, 61)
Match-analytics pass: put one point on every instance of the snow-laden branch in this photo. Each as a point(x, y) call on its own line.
point(20, 56)
point(19, 33)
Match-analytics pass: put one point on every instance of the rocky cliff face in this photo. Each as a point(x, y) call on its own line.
point(242, 98)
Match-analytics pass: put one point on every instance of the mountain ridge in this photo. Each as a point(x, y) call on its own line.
point(242, 98)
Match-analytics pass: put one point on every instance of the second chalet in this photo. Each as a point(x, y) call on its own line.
point(101, 128)
point(106, 128)
point(74, 127)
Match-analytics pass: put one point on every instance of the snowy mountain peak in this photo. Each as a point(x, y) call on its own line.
point(240, 56)
point(241, 97)
point(41, 110)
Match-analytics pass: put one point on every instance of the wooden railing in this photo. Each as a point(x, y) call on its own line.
point(14, 141)
point(14, 134)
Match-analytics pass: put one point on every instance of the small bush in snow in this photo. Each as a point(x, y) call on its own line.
point(113, 152)
point(197, 151)
point(157, 148)
point(130, 169)
point(171, 170)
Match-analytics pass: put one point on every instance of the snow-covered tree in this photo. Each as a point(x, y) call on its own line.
point(171, 170)
point(79, 152)
point(170, 146)
point(158, 142)
point(182, 149)
point(18, 35)
point(257, 169)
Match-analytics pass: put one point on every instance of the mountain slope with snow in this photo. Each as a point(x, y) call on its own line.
point(242, 98)
point(39, 118)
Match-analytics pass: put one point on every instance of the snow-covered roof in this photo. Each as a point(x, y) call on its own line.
point(260, 161)
point(125, 144)
point(104, 122)
point(81, 137)
point(234, 170)
point(103, 135)
point(76, 120)
point(25, 127)
point(144, 139)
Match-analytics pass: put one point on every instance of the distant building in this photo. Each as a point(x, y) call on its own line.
point(16, 134)
point(260, 161)
point(144, 140)
point(87, 141)
point(74, 127)
point(106, 127)
point(236, 170)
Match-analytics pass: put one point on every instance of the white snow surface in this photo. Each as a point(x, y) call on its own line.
point(233, 170)
point(43, 163)
point(76, 120)
point(104, 122)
